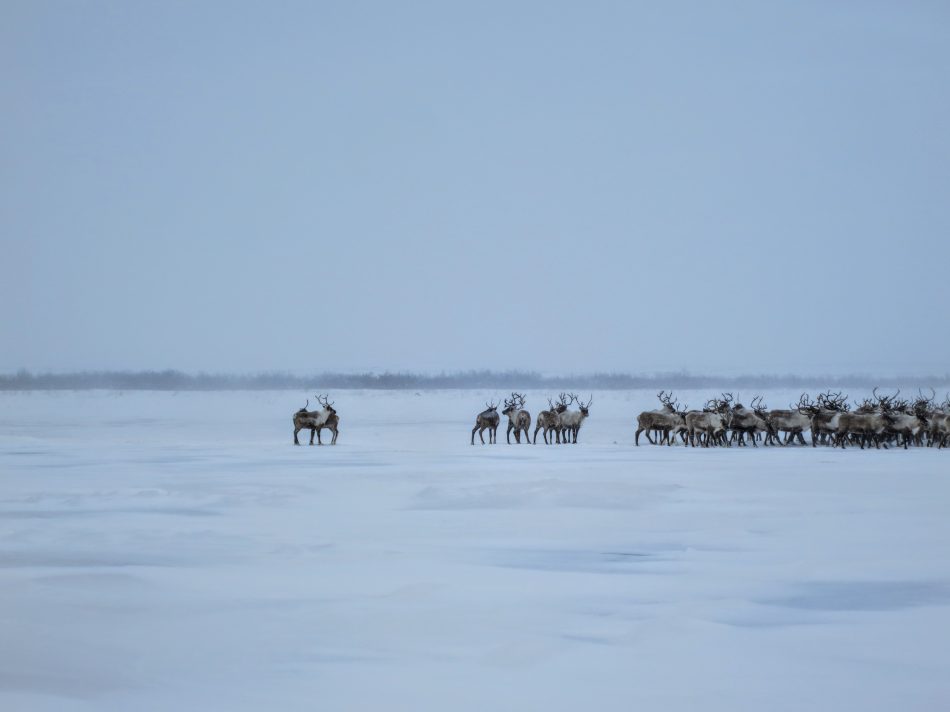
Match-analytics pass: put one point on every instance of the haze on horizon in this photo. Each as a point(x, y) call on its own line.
point(725, 188)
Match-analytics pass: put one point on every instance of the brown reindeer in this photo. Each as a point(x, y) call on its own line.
point(333, 425)
point(519, 419)
point(549, 421)
point(488, 420)
point(663, 421)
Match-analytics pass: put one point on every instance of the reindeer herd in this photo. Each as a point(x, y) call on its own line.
point(558, 424)
point(880, 421)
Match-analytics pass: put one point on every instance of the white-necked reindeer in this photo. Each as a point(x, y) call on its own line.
point(518, 418)
point(488, 420)
point(316, 420)
point(549, 421)
point(571, 420)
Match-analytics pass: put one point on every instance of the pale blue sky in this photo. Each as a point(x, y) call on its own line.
point(567, 187)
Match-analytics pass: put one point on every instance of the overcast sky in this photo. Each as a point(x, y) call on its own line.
point(566, 187)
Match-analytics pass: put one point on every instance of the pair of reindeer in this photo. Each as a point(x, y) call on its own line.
point(317, 420)
point(561, 424)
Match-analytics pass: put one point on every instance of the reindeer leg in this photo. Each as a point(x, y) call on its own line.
point(296, 441)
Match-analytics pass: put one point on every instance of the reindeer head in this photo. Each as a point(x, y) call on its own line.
point(325, 402)
point(833, 401)
point(584, 407)
point(514, 404)
point(669, 405)
point(886, 403)
point(722, 405)
point(563, 400)
point(807, 406)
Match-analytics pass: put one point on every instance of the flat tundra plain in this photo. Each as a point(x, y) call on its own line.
point(175, 551)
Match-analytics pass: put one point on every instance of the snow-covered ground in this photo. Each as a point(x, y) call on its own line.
point(165, 551)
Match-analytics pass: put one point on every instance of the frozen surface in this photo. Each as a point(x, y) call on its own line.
point(174, 551)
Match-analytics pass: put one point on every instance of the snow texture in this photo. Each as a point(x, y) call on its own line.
point(175, 551)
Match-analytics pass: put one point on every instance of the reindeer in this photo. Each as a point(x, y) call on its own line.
point(866, 424)
point(571, 420)
point(710, 422)
point(314, 419)
point(518, 418)
point(903, 421)
point(924, 409)
point(488, 420)
point(793, 422)
point(824, 415)
point(940, 425)
point(749, 422)
point(664, 420)
point(333, 425)
point(550, 420)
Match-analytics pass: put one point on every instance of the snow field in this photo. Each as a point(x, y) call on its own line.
point(176, 551)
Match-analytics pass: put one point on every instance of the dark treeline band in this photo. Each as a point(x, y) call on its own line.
point(171, 380)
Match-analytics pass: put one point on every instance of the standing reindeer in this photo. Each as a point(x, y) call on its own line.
point(316, 420)
point(751, 422)
point(663, 421)
point(571, 420)
point(488, 420)
point(549, 421)
point(333, 425)
point(708, 424)
point(518, 418)
point(826, 413)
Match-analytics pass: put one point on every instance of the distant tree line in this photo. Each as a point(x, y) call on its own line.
point(171, 380)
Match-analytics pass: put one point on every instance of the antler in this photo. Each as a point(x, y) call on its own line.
point(325, 401)
point(807, 406)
